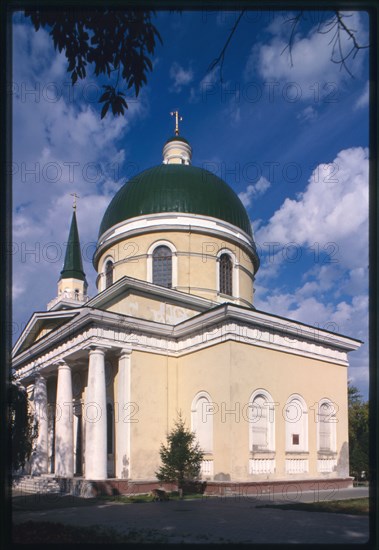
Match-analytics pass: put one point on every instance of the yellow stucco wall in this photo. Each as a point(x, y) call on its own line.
point(151, 309)
point(196, 262)
point(230, 372)
point(149, 392)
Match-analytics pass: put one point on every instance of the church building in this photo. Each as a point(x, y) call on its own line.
point(173, 328)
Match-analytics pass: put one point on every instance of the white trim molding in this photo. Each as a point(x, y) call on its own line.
point(259, 466)
point(296, 421)
point(203, 426)
point(255, 414)
point(331, 423)
point(176, 222)
point(102, 273)
point(219, 324)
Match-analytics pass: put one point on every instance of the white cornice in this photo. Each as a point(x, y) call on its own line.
point(222, 323)
point(173, 222)
point(36, 322)
point(275, 324)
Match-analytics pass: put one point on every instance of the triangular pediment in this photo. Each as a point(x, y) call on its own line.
point(40, 325)
point(143, 300)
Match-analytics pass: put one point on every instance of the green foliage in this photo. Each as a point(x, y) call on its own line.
point(23, 428)
point(181, 456)
point(356, 506)
point(358, 433)
point(113, 41)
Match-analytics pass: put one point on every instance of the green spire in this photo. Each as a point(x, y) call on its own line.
point(73, 266)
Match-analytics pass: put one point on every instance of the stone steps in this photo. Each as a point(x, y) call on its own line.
point(36, 485)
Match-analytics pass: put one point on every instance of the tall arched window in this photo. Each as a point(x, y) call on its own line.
point(109, 429)
point(260, 426)
point(226, 275)
point(108, 273)
point(296, 419)
point(261, 421)
point(162, 266)
point(202, 412)
point(326, 426)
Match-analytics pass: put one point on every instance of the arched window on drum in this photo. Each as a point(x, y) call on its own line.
point(226, 275)
point(162, 266)
point(108, 273)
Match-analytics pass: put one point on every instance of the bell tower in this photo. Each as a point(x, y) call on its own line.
point(72, 284)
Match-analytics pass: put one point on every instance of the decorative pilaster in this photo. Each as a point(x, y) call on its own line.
point(95, 417)
point(64, 450)
point(40, 456)
point(123, 424)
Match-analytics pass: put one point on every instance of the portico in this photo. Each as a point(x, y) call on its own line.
point(79, 433)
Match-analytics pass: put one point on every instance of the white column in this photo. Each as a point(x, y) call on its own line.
point(40, 456)
point(95, 417)
point(122, 426)
point(64, 449)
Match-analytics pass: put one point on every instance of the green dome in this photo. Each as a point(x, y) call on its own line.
point(176, 188)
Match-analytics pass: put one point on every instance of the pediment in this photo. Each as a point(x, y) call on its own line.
point(40, 325)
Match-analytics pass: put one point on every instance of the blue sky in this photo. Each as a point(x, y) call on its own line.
point(291, 140)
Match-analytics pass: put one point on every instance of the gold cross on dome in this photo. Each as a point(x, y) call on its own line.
point(177, 119)
point(75, 197)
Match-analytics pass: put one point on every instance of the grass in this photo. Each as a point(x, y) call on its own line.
point(356, 506)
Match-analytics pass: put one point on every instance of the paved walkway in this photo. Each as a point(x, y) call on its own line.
point(230, 519)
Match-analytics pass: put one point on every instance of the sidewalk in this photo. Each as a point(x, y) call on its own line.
point(231, 519)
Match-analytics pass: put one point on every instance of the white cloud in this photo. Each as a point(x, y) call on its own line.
point(208, 86)
point(342, 317)
point(332, 213)
point(330, 217)
point(255, 190)
point(305, 305)
point(307, 115)
point(363, 99)
point(60, 146)
point(180, 77)
point(311, 67)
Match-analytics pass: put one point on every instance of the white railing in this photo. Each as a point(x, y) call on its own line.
point(207, 468)
point(325, 465)
point(70, 295)
point(261, 465)
point(297, 465)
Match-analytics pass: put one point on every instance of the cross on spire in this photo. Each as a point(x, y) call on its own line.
point(177, 119)
point(75, 197)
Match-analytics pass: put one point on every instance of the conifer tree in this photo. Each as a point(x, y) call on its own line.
point(181, 456)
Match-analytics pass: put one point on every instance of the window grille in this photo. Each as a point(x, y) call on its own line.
point(226, 275)
point(108, 273)
point(162, 266)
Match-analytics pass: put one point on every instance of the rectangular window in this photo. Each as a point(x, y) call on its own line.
point(295, 439)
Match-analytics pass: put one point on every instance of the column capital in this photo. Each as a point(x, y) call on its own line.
point(124, 352)
point(61, 363)
point(92, 346)
point(96, 349)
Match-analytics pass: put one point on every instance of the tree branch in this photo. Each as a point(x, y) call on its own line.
point(221, 58)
